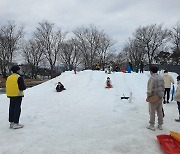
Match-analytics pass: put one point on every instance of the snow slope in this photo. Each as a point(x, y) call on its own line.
point(86, 118)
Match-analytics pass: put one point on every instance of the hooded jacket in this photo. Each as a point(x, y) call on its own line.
point(167, 80)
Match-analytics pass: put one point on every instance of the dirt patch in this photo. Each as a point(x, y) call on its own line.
point(28, 82)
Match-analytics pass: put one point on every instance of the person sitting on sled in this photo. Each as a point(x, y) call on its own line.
point(60, 87)
point(108, 83)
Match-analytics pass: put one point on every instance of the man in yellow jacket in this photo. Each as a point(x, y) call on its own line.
point(14, 90)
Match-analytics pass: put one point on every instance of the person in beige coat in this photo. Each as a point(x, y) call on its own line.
point(155, 93)
point(168, 80)
point(177, 96)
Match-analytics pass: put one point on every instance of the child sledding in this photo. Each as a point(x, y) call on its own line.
point(60, 87)
point(108, 83)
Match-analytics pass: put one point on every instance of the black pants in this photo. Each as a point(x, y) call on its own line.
point(178, 103)
point(163, 112)
point(15, 109)
point(141, 70)
point(167, 90)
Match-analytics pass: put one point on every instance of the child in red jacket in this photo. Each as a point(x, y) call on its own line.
point(108, 83)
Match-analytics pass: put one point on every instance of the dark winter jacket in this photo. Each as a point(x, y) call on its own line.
point(59, 88)
point(141, 65)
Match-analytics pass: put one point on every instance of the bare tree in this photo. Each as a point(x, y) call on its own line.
point(70, 55)
point(89, 42)
point(10, 36)
point(105, 48)
point(121, 59)
point(50, 41)
point(175, 37)
point(94, 45)
point(151, 37)
point(34, 54)
point(134, 51)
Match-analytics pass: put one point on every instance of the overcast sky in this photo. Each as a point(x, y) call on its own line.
point(118, 18)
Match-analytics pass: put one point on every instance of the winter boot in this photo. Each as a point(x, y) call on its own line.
point(11, 125)
point(17, 126)
point(151, 127)
point(177, 120)
point(160, 127)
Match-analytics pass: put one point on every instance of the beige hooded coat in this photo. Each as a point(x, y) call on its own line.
point(167, 80)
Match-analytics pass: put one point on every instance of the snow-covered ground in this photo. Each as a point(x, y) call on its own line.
point(86, 118)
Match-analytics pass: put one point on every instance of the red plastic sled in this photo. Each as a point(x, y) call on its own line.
point(169, 144)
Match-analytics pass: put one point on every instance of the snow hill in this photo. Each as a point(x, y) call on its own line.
point(86, 118)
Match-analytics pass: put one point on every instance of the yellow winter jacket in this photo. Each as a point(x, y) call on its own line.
point(12, 88)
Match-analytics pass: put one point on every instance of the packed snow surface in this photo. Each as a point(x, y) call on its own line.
point(86, 118)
